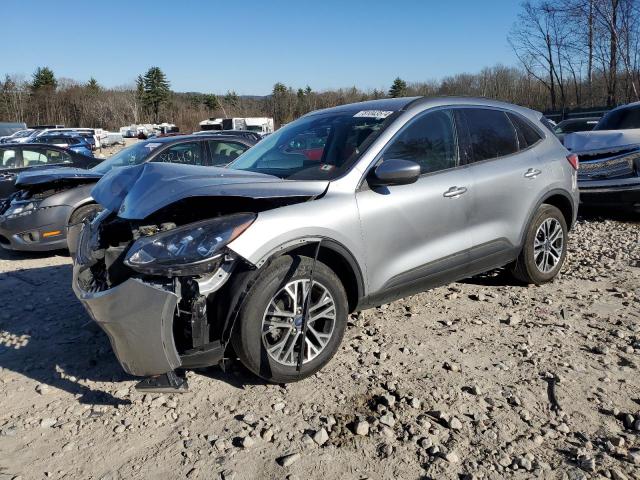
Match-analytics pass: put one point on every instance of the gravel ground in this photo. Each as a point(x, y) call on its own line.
point(483, 378)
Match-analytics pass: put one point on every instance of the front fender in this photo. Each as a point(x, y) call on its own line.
point(334, 218)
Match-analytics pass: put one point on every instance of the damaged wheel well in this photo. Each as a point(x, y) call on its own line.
point(338, 259)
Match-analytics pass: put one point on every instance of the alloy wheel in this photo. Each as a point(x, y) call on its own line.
point(282, 322)
point(548, 245)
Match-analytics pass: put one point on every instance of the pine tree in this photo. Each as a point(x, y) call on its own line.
point(398, 89)
point(43, 77)
point(93, 86)
point(231, 98)
point(156, 90)
point(211, 102)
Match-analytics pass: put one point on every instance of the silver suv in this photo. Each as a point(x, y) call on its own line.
point(366, 203)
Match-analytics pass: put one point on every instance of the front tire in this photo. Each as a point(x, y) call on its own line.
point(84, 212)
point(268, 331)
point(545, 247)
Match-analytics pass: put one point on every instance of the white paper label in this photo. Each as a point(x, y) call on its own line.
point(373, 113)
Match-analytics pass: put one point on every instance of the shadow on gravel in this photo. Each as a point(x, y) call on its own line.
point(234, 374)
point(46, 335)
point(495, 278)
point(600, 214)
point(12, 255)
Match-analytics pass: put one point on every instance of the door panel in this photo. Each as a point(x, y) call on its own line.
point(502, 199)
point(413, 232)
point(414, 235)
point(505, 176)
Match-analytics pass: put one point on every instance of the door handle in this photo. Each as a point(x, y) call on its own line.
point(455, 192)
point(532, 173)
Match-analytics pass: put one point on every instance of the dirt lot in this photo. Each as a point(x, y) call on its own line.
point(458, 382)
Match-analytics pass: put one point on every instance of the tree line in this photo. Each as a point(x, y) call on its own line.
point(571, 54)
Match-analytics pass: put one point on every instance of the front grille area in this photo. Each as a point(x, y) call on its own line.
point(612, 167)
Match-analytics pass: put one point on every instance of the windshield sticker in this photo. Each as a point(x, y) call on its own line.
point(151, 146)
point(326, 167)
point(373, 113)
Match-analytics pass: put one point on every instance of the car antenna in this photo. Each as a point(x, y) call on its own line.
point(305, 307)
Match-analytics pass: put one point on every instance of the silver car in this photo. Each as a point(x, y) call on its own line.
point(344, 209)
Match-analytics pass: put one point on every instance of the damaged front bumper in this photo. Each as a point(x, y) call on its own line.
point(155, 324)
point(138, 318)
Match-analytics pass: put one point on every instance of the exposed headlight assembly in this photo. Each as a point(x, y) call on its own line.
point(193, 249)
point(21, 208)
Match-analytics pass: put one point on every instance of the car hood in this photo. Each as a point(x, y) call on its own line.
point(602, 140)
point(137, 192)
point(55, 175)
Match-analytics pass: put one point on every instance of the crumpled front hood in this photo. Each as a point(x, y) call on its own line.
point(137, 192)
point(53, 175)
point(602, 140)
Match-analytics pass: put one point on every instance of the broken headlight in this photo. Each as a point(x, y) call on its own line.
point(21, 208)
point(192, 249)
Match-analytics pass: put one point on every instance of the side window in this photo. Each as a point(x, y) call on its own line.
point(33, 158)
point(186, 153)
point(8, 159)
point(56, 156)
point(490, 134)
point(429, 141)
point(527, 135)
point(223, 153)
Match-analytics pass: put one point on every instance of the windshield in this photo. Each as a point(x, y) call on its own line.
point(622, 119)
point(133, 155)
point(317, 147)
point(22, 133)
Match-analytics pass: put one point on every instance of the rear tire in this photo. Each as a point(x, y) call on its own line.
point(270, 318)
point(545, 247)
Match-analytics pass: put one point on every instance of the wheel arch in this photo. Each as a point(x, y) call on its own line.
point(75, 207)
point(333, 254)
point(560, 199)
point(563, 203)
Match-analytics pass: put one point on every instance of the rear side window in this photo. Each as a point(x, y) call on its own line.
point(490, 134)
point(223, 153)
point(37, 157)
point(527, 135)
point(429, 141)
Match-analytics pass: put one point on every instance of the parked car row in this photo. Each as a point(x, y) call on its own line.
point(188, 247)
point(36, 217)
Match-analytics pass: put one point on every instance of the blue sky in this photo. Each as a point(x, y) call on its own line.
point(247, 46)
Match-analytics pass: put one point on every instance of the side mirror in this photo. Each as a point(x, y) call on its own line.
point(394, 172)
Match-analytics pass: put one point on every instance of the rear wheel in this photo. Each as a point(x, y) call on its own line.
point(545, 247)
point(268, 335)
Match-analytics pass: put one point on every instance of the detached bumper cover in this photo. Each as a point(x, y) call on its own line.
point(138, 318)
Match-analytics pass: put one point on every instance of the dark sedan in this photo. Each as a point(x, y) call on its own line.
point(16, 158)
point(36, 217)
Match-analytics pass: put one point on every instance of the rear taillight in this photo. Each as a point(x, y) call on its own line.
point(573, 160)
